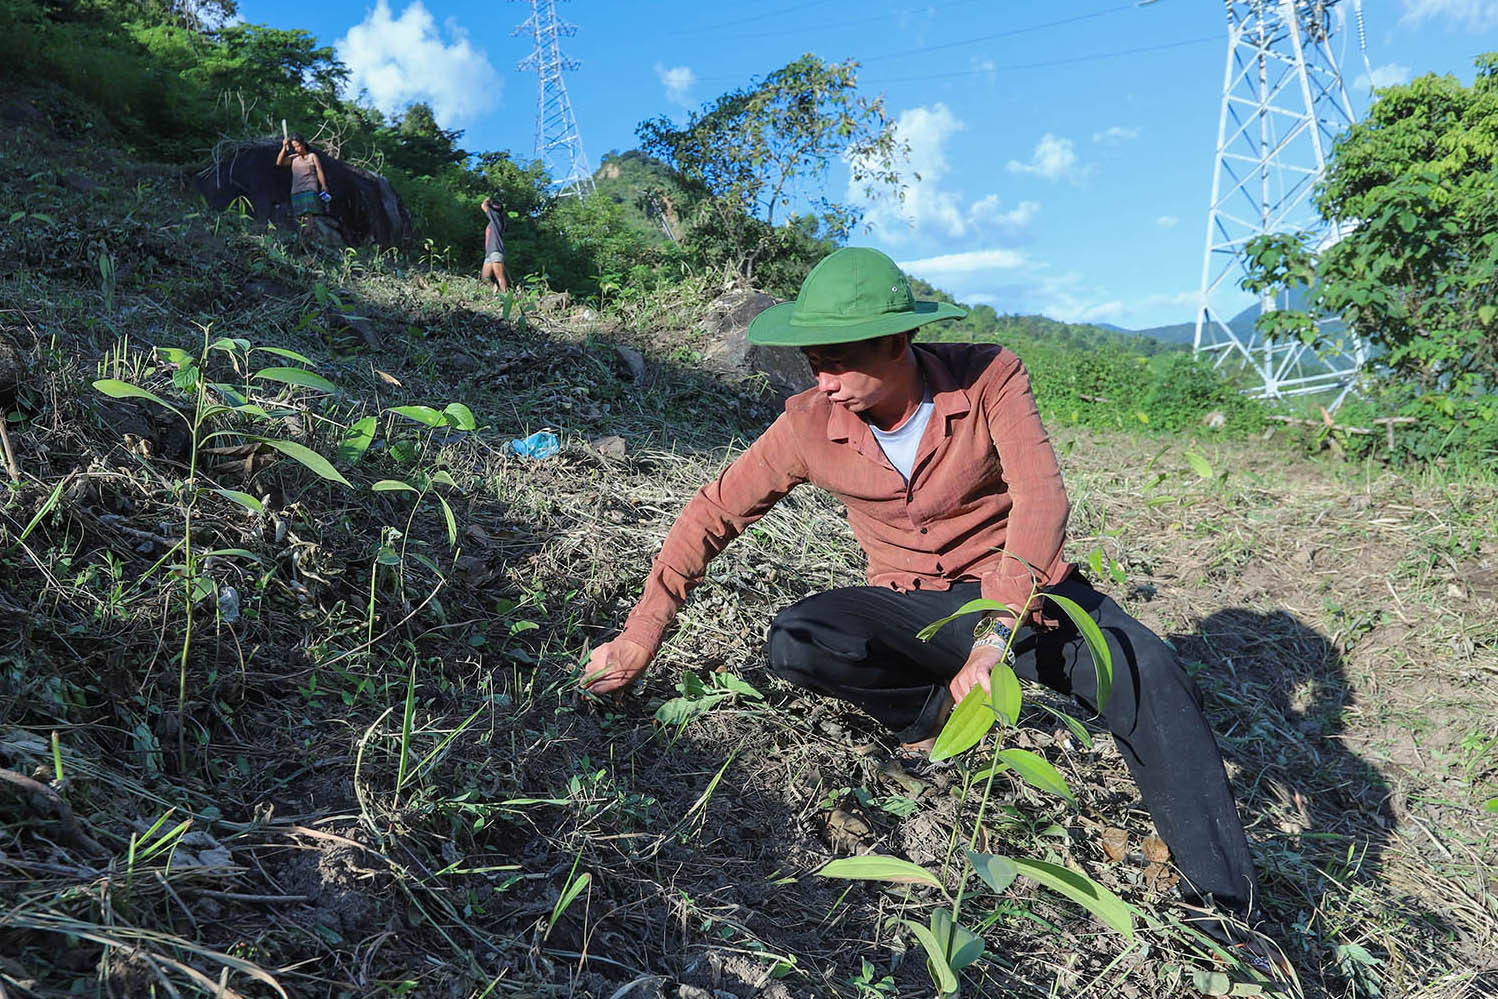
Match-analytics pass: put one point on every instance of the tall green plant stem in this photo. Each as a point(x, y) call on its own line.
point(189, 557)
point(993, 762)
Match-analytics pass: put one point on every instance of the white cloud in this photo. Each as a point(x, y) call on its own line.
point(403, 60)
point(985, 66)
point(678, 81)
point(1054, 158)
point(929, 208)
point(1167, 221)
point(1115, 135)
point(1472, 15)
point(1383, 76)
point(950, 264)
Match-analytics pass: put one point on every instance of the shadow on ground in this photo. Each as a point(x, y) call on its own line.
point(1319, 816)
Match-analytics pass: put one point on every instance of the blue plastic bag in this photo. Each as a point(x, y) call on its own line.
point(541, 444)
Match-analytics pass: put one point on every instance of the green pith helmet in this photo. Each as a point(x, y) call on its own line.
point(854, 294)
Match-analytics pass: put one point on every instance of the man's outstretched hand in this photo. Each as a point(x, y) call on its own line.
point(613, 667)
point(974, 672)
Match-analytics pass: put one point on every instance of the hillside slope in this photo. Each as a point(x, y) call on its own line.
point(360, 769)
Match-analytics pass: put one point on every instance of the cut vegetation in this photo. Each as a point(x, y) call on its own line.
point(287, 692)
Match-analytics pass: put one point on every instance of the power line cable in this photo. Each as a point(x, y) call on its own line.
point(1046, 64)
point(906, 53)
point(1008, 33)
point(849, 22)
point(753, 17)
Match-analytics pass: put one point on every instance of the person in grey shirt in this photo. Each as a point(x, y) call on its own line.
point(494, 246)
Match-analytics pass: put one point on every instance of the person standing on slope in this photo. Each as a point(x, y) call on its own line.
point(309, 188)
point(953, 492)
point(494, 246)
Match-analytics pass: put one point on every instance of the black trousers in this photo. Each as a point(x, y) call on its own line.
point(859, 644)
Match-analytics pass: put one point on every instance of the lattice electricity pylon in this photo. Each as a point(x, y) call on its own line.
point(559, 145)
point(1283, 105)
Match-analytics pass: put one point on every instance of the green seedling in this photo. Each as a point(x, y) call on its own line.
point(697, 698)
point(949, 945)
point(574, 886)
point(203, 404)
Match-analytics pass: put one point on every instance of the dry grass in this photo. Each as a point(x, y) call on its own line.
point(1340, 621)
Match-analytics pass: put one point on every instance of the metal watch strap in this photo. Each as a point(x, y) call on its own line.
point(990, 632)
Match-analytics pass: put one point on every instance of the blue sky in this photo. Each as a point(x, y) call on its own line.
point(1064, 151)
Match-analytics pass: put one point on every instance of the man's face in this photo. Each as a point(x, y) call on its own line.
point(856, 376)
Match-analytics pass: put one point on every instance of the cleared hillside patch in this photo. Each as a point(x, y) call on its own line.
point(405, 796)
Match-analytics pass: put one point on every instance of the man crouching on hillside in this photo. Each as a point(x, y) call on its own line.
point(953, 492)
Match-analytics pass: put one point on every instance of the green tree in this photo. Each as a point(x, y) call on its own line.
point(1413, 190)
point(419, 147)
point(757, 150)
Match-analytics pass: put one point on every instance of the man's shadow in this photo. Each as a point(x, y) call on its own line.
point(1276, 693)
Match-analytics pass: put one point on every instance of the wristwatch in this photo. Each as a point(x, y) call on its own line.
point(991, 631)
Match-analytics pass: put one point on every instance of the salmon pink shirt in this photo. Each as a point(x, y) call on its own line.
point(984, 502)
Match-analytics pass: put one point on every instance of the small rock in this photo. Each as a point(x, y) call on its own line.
point(357, 325)
point(264, 287)
point(20, 114)
point(634, 362)
point(692, 992)
point(77, 183)
point(612, 446)
point(1215, 420)
point(644, 987)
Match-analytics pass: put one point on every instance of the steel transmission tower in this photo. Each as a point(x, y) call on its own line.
point(1283, 104)
point(559, 145)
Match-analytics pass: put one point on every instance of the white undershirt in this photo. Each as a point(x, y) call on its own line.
point(900, 444)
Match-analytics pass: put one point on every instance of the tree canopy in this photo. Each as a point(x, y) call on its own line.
point(753, 152)
point(1413, 192)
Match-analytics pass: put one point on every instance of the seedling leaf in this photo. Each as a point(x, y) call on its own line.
point(356, 440)
point(1007, 698)
point(1102, 659)
point(936, 958)
point(459, 416)
point(296, 376)
point(308, 458)
point(961, 945)
point(393, 485)
point(1081, 889)
point(290, 355)
point(1200, 465)
point(968, 723)
point(116, 389)
point(878, 868)
point(1077, 729)
point(425, 415)
point(245, 500)
point(997, 872)
point(980, 604)
point(1037, 772)
point(680, 710)
point(452, 524)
